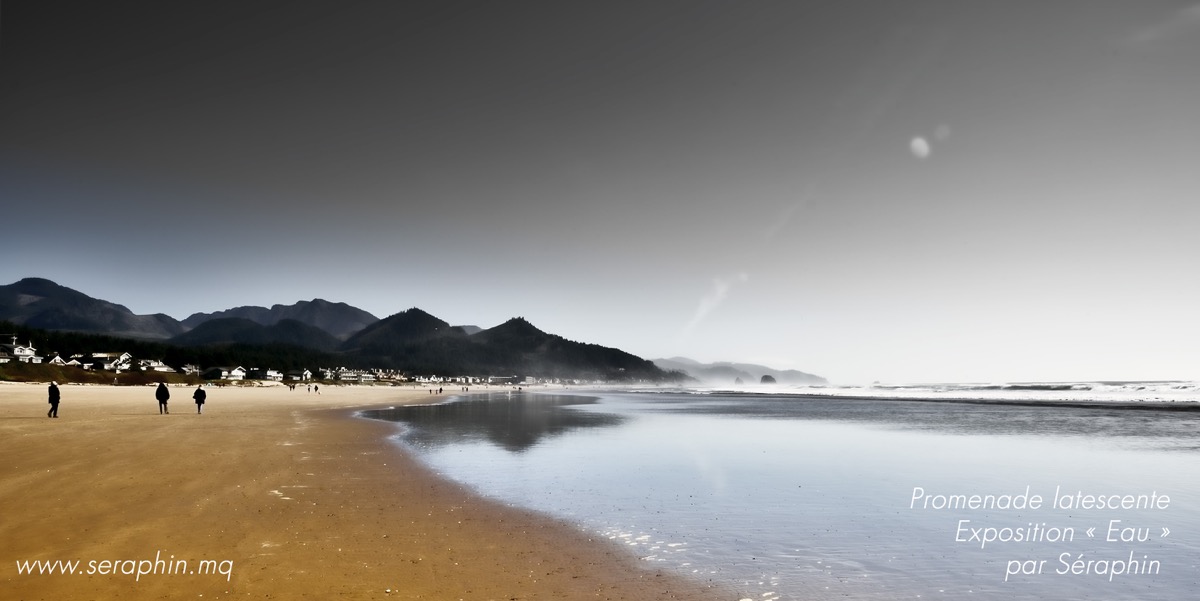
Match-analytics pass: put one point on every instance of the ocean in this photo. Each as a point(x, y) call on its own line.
point(811, 496)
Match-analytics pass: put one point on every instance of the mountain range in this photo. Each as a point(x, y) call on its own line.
point(411, 340)
point(42, 304)
point(338, 319)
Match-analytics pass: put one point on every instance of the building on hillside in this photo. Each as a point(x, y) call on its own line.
point(257, 373)
point(72, 362)
point(389, 375)
point(105, 361)
point(224, 373)
point(23, 353)
point(354, 376)
point(301, 375)
point(155, 365)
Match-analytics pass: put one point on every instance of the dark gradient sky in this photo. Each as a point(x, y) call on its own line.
point(896, 191)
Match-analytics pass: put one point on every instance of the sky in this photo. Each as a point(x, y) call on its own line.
point(903, 192)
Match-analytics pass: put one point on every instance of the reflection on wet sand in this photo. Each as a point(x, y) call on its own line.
point(515, 422)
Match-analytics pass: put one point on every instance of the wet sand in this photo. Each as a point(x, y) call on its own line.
point(288, 494)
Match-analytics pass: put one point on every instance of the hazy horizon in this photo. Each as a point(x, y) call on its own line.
point(920, 191)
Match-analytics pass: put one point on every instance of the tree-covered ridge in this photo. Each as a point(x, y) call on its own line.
point(273, 355)
point(417, 347)
point(236, 330)
point(41, 303)
point(340, 320)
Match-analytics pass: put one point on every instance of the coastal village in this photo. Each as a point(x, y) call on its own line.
point(118, 362)
point(333, 343)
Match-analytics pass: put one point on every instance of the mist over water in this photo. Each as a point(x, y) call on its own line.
point(784, 497)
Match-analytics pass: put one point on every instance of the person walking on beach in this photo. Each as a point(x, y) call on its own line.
point(54, 398)
point(162, 394)
point(199, 395)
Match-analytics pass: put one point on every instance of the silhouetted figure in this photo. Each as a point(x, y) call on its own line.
point(317, 388)
point(199, 395)
point(54, 398)
point(162, 394)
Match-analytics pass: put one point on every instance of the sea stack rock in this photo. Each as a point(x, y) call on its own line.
point(738, 381)
point(767, 379)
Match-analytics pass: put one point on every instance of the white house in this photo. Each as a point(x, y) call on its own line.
point(299, 375)
point(353, 375)
point(256, 373)
point(155, 365)
point(225, 373)
point(105, 361)
point(23, 353)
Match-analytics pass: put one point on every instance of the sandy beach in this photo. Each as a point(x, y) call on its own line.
point(270, 494)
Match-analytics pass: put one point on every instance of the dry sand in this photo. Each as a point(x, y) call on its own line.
point(289, 495)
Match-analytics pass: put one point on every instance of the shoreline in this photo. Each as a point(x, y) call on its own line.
point(1182, 405)
point(303, 497)
point(1056, 403)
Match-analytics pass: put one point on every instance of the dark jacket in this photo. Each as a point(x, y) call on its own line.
point(162, 394)
point(54, 396)
point(199, 395)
